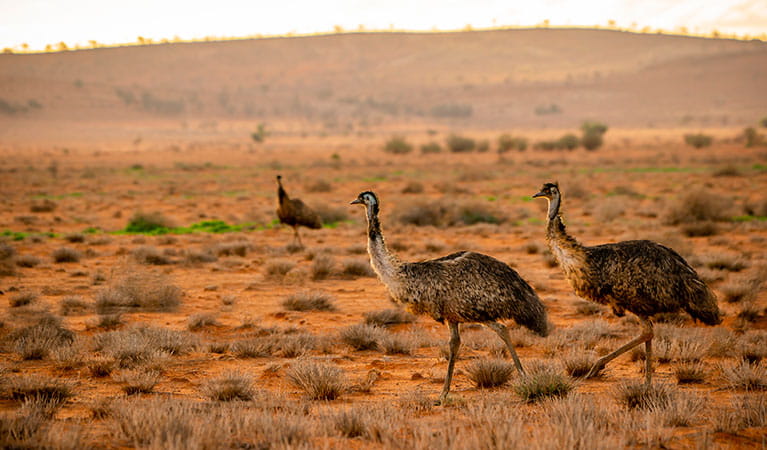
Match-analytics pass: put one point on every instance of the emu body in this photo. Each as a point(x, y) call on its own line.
point(457, 288)
point(642, 277)
point(295, 213)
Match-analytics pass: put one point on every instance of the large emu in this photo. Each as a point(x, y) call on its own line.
point(457, 288)
point(294, 212)
point(641, 277)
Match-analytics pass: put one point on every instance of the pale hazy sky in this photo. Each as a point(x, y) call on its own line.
point(41, 22)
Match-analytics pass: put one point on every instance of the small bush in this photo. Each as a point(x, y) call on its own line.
point(229, 386)
point(193, 257)
point(592, 134)
point(143, 345)
point(143, 222)
point(44, 205)
point(101, 367)
point(698, 140)
point(319, 186)
point(637, 395)
point(74, 238)
point(700, 229)
point(309, 301)
point(398, 145)
point(322, 266)
point(388, 317)
point(542, 382)
point(138, 381)
point(752, 345)
point(489, 373)
point(507, 143)
point(725, 262)
point(237, 248)
point(362, 336)
point(27, 261)
point(569, 142)
point(697, 206)
point(746, 410)
point(66, 254)
point(357, 268)
point(395, 344)
point(430, 148)
point(412, 187)
point(682, 409)
point(460, 144)
point(318, 380)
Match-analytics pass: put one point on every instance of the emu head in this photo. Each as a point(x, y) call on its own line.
point(369, 199)
point(548, 191)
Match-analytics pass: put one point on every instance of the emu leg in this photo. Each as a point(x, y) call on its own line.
point(503, 332)
point(646, 336)
point(297, 237)
point(648, 363)
point(455, 343)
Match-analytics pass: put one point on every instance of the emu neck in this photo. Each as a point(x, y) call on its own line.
point(281, 194)
point(384, 263)
point(566, 249)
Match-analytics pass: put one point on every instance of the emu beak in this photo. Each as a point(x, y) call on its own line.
point(540, 194)
point(356, 201)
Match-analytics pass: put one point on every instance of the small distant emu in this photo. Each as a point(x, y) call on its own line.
point(295, 213)
point(457, 288)
point(641, 277)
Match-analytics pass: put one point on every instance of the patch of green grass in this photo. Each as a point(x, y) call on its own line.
point(206, 226)
point(760, 167)
point(14, 235)
point(60, 196)
point(749, 218)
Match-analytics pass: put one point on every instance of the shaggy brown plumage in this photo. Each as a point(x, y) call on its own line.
point(457, 288)
point(642, 277)
point(294, 212)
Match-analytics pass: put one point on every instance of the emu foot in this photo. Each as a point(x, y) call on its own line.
point(596, 370)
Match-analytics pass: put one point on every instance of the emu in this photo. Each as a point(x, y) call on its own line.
point(294, 212)
point(642, 277)
point(457, 288)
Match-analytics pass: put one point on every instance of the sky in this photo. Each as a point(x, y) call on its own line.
point(76, 22)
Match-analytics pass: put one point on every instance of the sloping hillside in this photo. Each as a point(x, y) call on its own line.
point(487, 79)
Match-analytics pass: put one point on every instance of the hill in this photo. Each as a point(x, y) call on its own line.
point(505, 79)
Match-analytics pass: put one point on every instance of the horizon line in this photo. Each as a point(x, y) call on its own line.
point(62, 46)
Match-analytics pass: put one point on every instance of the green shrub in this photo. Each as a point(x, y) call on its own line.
point(752, 137)
point(569, 141)
point(398, 145)
point(142, 222)
point(698, 140)
point(593, 133)
point(460, 144)
point(506, 143)
point(431, 147)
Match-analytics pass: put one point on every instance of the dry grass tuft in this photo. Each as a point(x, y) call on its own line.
point(203, 320)
point(745, 410)
point(389, 317)
point(229, 386)
point(143, 345)
point(101, 366)
point(139, 291)
point(27, 261)
point(637, 395)
point(396, 344)
point(322, 266)
point(318, 380)
point(745, 375)
point(353, 268)
point(277, 268)
point(236, 248)
point(151, 256)
point(752, 345)
point(362, 336)
point(259, 347)
point(542, 381)
point(38, 388)
point(23, 299)
point(488, 373)
point(578, 362)
point(309, 301)
point(36, 341)
point(688, 372)
point(74, 305)
point(139, 381)
point(697, 206)
point(66, 255)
